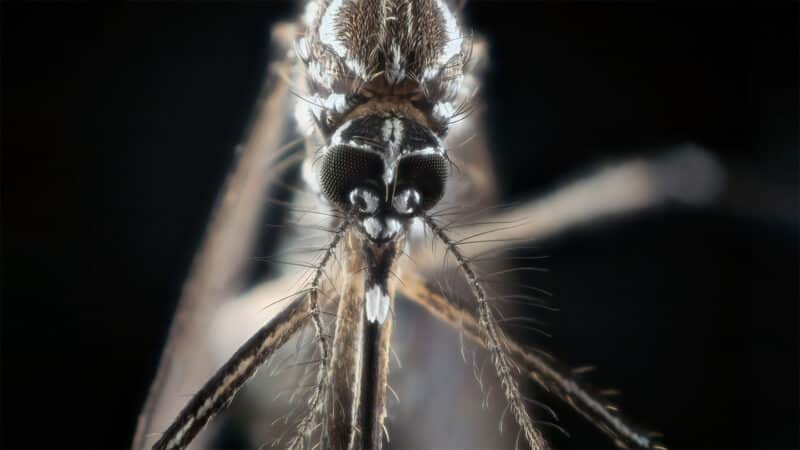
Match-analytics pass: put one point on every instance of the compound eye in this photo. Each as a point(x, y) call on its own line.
point(407, 201)
point(425, 174)
point(364, 200)
point(344, 169)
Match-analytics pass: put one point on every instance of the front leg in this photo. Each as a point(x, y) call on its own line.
point(686, 175)
point(219, 391)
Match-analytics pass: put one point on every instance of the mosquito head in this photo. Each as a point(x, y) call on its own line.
point(384, 170)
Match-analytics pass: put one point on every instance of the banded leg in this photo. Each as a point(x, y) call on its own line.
point(219, 391)
point(548, 374)
point(218, 267)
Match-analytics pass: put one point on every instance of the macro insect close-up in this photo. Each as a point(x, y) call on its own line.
point(438, 218)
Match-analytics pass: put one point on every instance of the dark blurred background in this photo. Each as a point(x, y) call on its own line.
point(119, 123)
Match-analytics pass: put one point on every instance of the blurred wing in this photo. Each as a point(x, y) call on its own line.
point(218, 268)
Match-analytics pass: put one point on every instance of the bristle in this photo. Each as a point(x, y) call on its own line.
point(494, 342)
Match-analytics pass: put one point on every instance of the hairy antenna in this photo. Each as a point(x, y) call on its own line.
point(494, 343)
point(220, 390)
point(306, 424)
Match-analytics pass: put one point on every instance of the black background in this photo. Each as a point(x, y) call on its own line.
point(119, 125)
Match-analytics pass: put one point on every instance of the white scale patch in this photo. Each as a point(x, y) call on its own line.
point(393, 136)
point(336, 139)
point(372, 227)
point(335, 102)
point(429, 151)
point(392, 228)
point(328, 31)
point(376, 304)
point(410, 15)
point(395, 70)
point(453, 39)
point(370, 200)
point(322, 77)
point(443, 111)
point(402, 202)
point(302, 50)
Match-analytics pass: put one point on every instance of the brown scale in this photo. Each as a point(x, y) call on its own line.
point(404, 99)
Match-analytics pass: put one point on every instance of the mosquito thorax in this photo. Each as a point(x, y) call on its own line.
point(383, 169)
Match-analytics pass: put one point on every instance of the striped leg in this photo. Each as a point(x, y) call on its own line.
point(219, 391)
point(218, 267)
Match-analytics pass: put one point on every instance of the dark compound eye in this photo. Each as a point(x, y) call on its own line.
point(347, 168)
point(425, 174)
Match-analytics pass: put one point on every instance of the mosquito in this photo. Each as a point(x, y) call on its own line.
point(377, 103)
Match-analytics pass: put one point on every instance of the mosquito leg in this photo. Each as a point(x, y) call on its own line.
point(495, 342)
point(218, 392)
point(548, 374)
point(317, 397)
point(241, 317)
point(223, 386)
point(339, 422)
point(218, 266)
point(686, 175)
